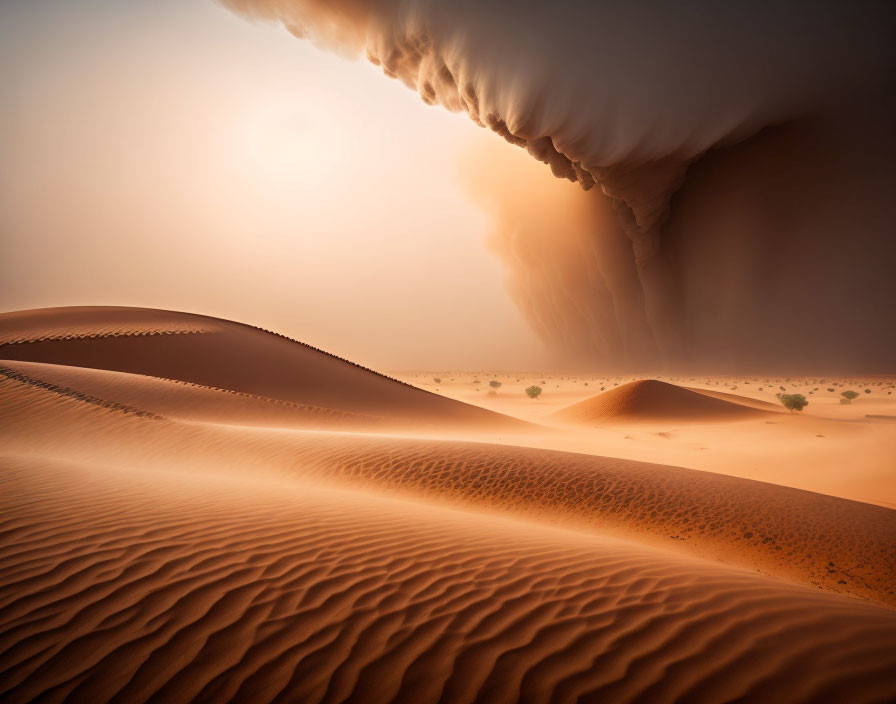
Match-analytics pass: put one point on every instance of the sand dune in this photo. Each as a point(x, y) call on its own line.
point(652, 400)
point(181, 400)
point(841, 545)
point(828, 448)
point(177, 527)
point(127, 586)
point(222, 354)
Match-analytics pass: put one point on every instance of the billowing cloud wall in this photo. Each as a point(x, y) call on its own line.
point(738, 158)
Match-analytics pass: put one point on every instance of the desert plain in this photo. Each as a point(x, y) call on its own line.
point(193, 509)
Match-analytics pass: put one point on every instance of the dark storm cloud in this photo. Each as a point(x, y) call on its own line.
point(788, 105)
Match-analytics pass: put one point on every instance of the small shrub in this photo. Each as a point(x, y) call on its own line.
point(830, 391)
point(495, 384)
point(793, 402)
point(848, 396)
point(533, 391)
point(437, 380)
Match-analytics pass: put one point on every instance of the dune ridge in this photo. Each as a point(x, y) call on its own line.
point(134, 588)
point(737, 398)
point(840, 545)
point(654, 400)
point(160, 398)
point(224, 354)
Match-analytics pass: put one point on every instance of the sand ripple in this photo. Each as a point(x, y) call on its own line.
point(840, 545)
point(174, 588)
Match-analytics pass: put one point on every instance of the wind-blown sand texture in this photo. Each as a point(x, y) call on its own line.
point(158, 544)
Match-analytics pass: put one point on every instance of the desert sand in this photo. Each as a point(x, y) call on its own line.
point(194, 509)
point(845, 450)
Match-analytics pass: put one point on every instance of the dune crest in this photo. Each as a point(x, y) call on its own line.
point(222, 354)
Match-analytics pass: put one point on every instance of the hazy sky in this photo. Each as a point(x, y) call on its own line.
point(169, 154)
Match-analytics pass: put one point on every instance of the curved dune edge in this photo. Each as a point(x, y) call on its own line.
point(180, 400)
point(185, 587)
point(836, 544)
point(738, 398)
point(222, 354)
point(653, 400)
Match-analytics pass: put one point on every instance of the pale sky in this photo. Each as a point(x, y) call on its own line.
point(168, 154)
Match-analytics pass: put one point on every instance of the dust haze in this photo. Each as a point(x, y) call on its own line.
point(745, 152)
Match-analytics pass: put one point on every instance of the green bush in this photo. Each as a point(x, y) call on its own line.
point(495, 384)
point(848, 396)
point(533, 391)
point(793, 402)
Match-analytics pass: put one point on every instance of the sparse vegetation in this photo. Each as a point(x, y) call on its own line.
point(533, 391)
point(437, 380)
point(495, 384)
point(793, 402)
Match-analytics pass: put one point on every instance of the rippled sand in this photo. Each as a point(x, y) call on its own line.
point(169, 540)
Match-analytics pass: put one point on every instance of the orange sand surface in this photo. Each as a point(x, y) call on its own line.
point(846, 450)
point(175, 527)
